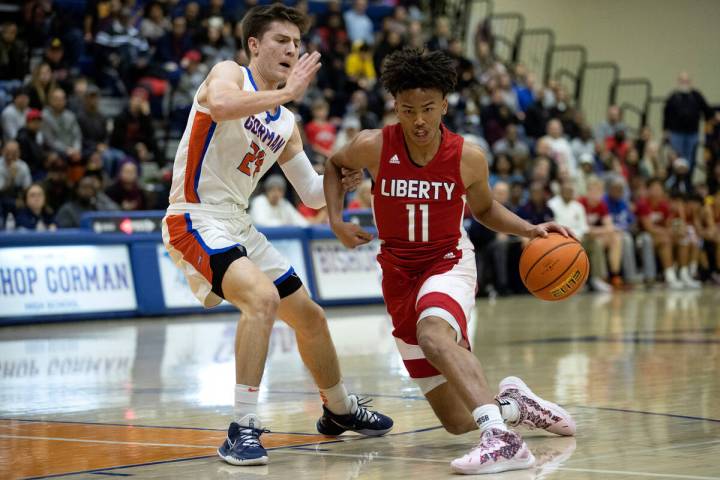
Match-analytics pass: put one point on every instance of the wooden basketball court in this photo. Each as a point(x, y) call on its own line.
point(151, 398)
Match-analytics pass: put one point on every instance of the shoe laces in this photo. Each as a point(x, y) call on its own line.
point(363, 413)
point(250, 437)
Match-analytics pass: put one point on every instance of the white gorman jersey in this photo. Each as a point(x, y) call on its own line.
point(221, 163)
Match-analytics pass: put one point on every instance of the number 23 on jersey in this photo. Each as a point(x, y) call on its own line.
point(252, 162)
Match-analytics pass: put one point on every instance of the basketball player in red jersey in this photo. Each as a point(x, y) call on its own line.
point(423, 174)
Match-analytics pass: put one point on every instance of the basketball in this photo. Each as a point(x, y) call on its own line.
point(554, 268)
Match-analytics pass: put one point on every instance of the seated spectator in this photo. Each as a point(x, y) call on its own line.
point(495, 117)
point(624, 221)
point(359, 66)
point(536, 209)
point(33, 148)
point(62, 133)
point(611, 125)
point(684, 236)
point(349, 129)
point(441, 37)
point(13, 116)
point(320, 133)
point(359, 109)
point(700, 218)
point(363, 196)
point(13, 53)
point(491, 249)
point(570, 213)
point(155, 23)
point(584, 143)
point(602, 229)
point(655, 218)
point(502, 171)
point(272, 209)
point(36, 215)
point(14, 178)
point(86, 200)
point(59, 65)
point(562, 152)
point(215, 47)
point(126, 191)
point(41, 84)
point(358, 24)
point(174, 44)
point(511, 144)
point(133, 131)
point(93, 124)
point(679, 180)
point(56, 186)
point(585, 174)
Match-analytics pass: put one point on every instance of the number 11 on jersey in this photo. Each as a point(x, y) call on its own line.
point(424, 209)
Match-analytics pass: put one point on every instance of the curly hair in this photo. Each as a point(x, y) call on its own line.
point(409, 68)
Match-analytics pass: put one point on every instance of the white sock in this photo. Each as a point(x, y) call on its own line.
point(509, 410)
point(685, 274)
point(488, 416)
point(693, 269)
point(336, 399)
point(246, 399)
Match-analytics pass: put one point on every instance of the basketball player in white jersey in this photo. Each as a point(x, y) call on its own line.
point(236, 130)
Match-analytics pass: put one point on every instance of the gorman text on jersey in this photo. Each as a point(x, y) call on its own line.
point(272, 140)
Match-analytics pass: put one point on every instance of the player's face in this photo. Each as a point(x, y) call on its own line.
point(420, 112)
point(276, 52)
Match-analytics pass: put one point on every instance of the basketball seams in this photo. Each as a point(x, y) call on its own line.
point(543, 256)
point(562, 273)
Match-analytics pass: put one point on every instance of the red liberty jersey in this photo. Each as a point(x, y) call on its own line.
point(419, 210)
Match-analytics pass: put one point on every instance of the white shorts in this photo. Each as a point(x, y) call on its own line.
point(449, 295)
point(196, 232)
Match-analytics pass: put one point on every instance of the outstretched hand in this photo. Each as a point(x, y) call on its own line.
point(543, 229)
point(302, 74)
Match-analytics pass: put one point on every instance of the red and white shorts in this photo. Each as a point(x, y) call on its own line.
point(446, 291)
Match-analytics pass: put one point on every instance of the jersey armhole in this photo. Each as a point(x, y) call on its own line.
point(383, 154)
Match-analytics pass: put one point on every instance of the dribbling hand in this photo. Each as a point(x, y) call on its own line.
point(351, 235)
point(543, 229)
point(302, 74)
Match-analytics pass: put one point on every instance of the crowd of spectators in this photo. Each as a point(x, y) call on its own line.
point(638, 199)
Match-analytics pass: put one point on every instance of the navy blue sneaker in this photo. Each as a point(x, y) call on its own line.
point(242, 446)
point(360, 420)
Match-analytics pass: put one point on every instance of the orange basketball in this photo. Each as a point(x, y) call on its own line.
point(555, 267)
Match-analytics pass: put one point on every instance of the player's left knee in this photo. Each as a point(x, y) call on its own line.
point(313, 319)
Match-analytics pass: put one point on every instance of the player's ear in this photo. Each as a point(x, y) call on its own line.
point(253, 45)
point(444, 105)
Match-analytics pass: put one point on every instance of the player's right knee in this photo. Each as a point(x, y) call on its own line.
point(430, 341)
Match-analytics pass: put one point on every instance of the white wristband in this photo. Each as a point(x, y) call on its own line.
point(305, 180)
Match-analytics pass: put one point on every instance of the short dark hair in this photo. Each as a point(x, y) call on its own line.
point(411, 68)
point(258, 19)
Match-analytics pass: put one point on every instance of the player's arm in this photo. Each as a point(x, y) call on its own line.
point(227, 100)
point(296, 166)
point(488, 211)
point(356, 155)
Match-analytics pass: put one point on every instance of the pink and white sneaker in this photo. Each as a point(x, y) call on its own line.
point(534, 411)
point(498, 451)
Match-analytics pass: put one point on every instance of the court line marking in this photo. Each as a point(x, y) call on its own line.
point(584, 470)
point(643, 412)
point(111, 442)
point(645, 450)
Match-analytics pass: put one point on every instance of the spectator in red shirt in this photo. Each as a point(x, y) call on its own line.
point(602, 228)
point(654, 215)
point(321, 133)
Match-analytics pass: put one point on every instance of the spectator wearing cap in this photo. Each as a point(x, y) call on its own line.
point(13, 54)
point(33, 147)
point(14, 177)
point(215, 46)
point(681, 118)
point(55, 58)
point(272, 209)
point(13, 115)
point(133, 131)
point(358, 24)
point(62, 132)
